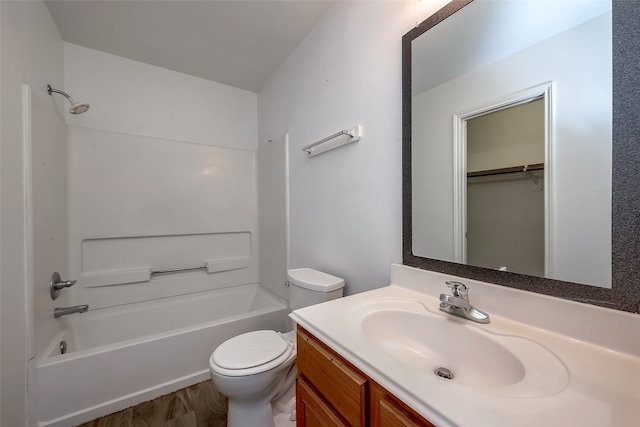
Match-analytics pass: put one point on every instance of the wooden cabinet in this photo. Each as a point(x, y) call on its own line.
point(388, 411)
point(341, 385)
point(332, 392)
point(312, 410)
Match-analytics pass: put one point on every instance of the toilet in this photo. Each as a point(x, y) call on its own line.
point(255, 368)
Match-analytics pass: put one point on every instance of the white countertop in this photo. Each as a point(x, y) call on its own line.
point(599, 349)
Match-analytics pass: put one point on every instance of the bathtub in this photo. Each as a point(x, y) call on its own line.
point(121, 356)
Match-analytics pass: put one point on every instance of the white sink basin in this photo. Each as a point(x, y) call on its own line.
point(424, 340)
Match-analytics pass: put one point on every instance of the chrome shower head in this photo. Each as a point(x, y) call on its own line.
point(76, 107)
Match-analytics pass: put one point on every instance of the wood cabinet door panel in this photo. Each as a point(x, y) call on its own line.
point(388, 411)
point(313, 411)
point(341, 385)
point(393, 416)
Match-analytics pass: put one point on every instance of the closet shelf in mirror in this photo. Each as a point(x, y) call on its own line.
point(513, 169)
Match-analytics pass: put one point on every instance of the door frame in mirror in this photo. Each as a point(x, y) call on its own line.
point(460, 119)
point(625, 291)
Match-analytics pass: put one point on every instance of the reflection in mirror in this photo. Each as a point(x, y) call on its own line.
point(471, 74)
point(505, 197)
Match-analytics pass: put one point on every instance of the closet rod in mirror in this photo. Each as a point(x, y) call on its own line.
point(513, 169)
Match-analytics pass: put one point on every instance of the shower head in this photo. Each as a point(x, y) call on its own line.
point(76, 107)
point(79, 108)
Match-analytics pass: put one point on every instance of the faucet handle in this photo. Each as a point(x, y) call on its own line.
point(458, 289)
point(61, 284)
point(57, 284)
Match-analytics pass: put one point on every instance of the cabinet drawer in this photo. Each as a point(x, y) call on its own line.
point(341, 385)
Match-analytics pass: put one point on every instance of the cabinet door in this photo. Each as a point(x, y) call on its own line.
point(312, 411)
point(391, 415)
point(387, 411)
point(339, 383)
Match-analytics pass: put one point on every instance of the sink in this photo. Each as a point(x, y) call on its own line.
point(473, 358)
point(424, 340)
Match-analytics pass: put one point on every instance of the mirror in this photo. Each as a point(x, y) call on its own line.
point(474, 58)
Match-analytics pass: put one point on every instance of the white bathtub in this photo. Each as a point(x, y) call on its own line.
point(118, 357)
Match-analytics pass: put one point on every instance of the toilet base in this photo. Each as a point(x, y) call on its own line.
point(270, 412)
point(250, 414)
point(243, 412)
point(284, 408)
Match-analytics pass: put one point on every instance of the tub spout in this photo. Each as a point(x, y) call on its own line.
point(63, 311)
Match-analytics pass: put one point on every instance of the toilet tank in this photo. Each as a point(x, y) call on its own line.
point(308, 287)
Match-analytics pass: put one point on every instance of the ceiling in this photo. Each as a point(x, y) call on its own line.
point(236, 42)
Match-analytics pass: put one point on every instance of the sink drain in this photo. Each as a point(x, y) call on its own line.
point(63, 347)
point(444, 373)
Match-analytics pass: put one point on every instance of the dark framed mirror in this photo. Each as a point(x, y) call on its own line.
point(621, 181)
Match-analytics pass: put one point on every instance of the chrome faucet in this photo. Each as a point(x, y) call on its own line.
point(63, 311)
point(57, 285)
point(458, 303)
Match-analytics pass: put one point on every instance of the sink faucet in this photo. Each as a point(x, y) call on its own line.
point(63, 311)
point(458, 303)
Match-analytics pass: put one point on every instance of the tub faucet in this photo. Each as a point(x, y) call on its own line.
point(458, 303)
point(63, 311)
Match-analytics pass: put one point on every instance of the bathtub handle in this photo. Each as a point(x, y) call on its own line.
point(63, 284)
point(57, 284)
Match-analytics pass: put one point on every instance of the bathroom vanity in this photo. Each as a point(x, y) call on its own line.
point(375, 359)
point(332, 392)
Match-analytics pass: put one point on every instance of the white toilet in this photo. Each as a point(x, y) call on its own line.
point(255, 368)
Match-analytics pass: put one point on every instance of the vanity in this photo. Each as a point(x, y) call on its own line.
point(331, 391)
point(371, 359)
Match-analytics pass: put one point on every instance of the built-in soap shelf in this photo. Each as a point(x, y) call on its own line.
point(144, 274)
point(135, 259)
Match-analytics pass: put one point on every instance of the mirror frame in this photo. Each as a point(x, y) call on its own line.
point(625, 291)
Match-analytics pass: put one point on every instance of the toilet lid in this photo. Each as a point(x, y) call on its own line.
point(250, 350)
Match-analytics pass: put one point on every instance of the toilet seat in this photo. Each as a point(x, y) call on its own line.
point(250, 353)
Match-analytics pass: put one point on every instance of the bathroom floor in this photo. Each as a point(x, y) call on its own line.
point(199, 405)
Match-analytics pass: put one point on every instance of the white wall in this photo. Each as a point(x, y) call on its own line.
point(581, 148)
point(162, 175)
point(32, 54)
point(139, 99)
point(346, 204)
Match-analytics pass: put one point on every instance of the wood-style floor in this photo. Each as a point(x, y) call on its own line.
point(199, 405)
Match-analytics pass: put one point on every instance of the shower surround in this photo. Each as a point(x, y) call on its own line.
point(160, 176)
